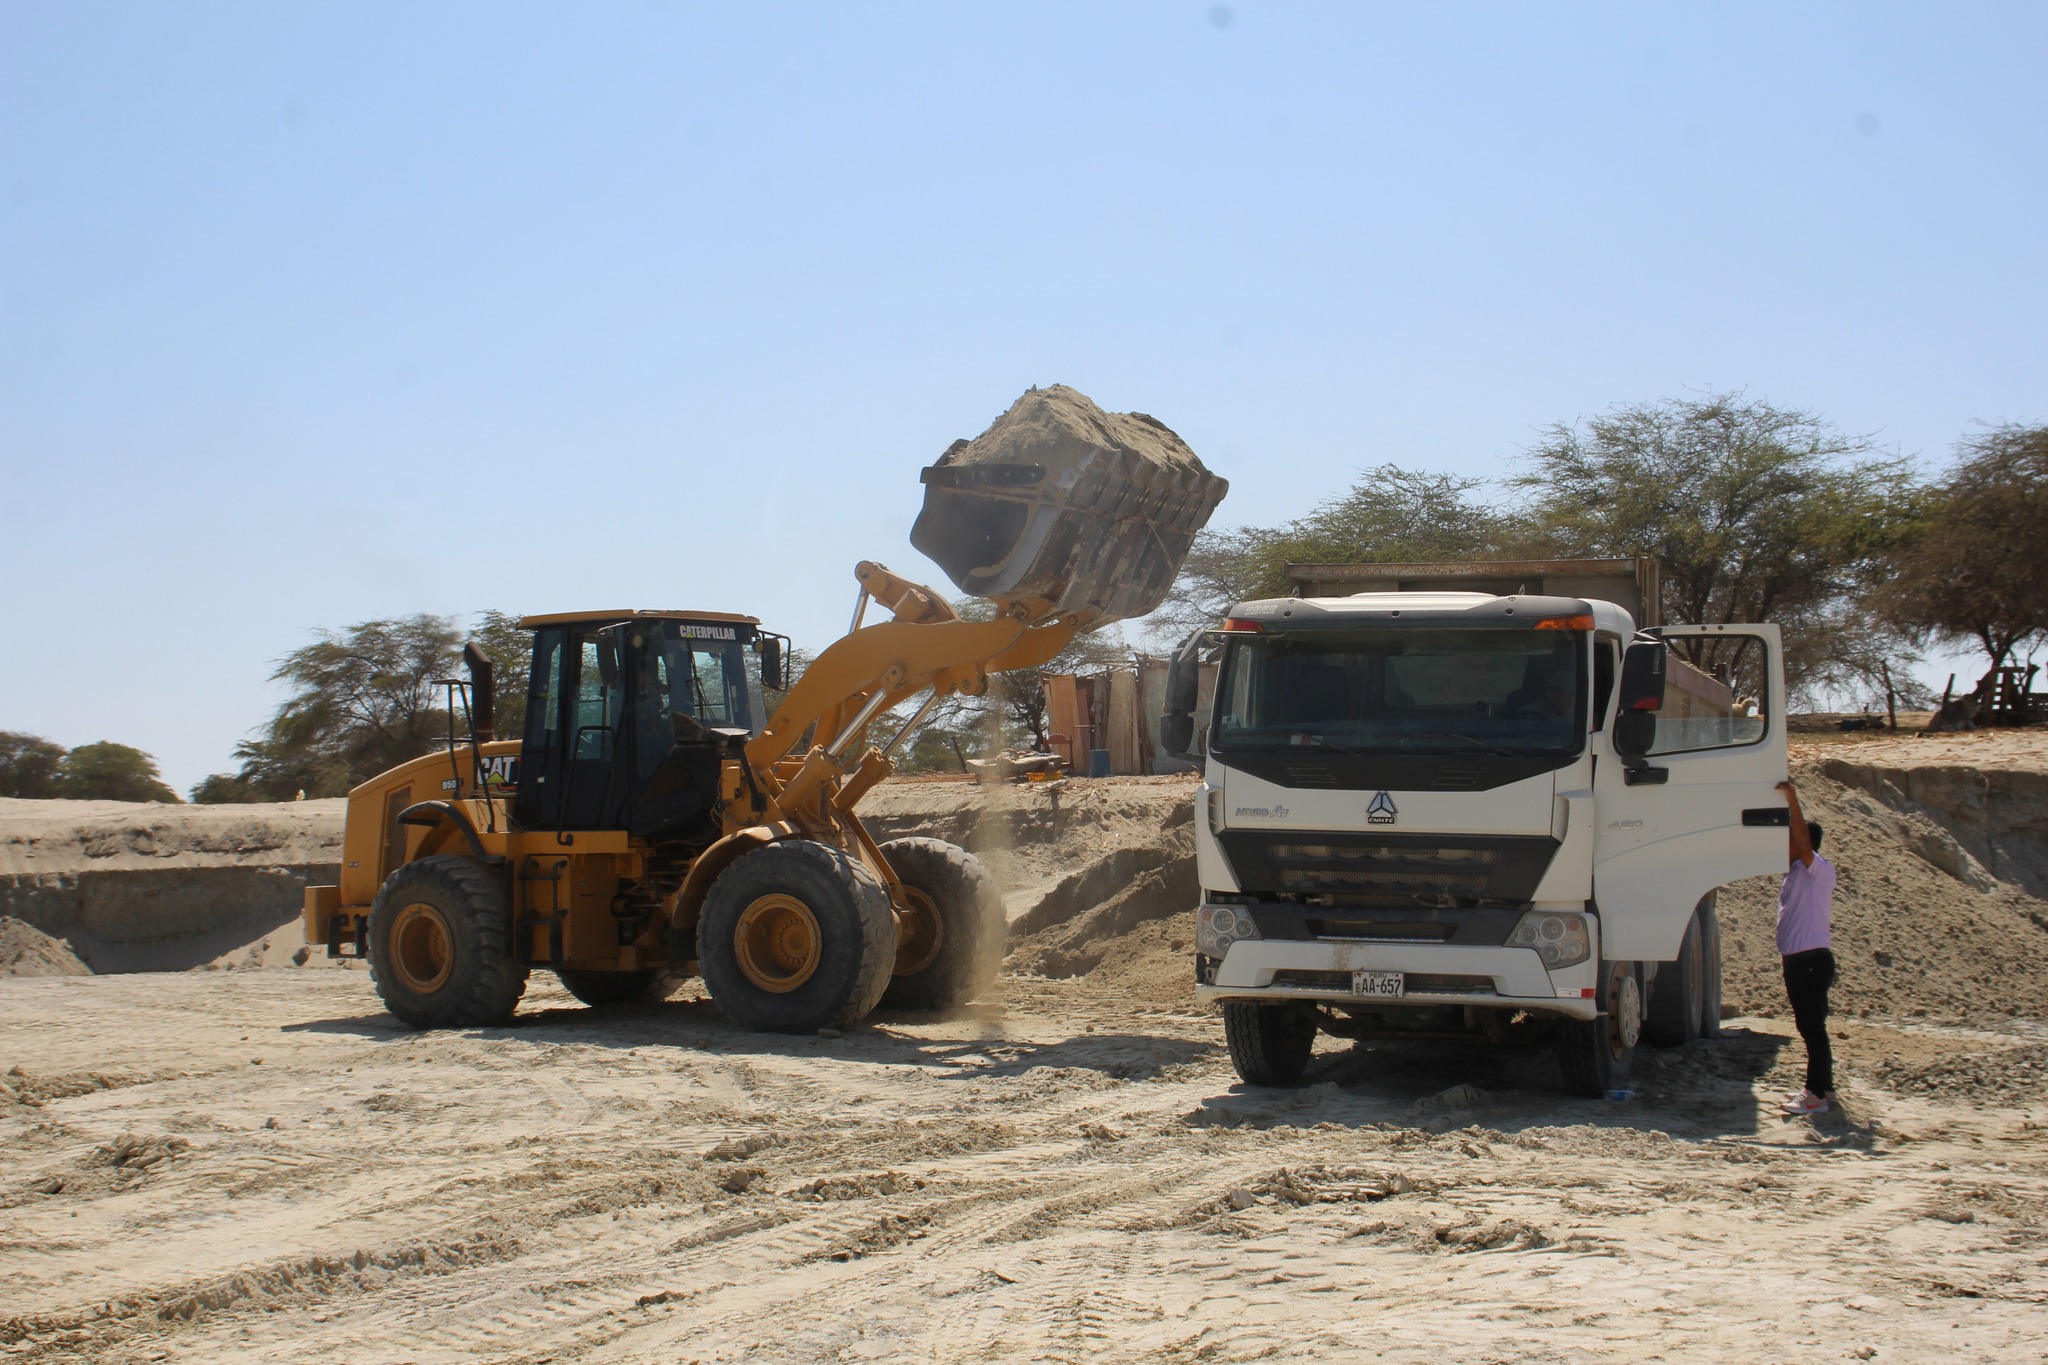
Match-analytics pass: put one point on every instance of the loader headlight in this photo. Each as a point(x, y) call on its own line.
point(1560, 940)
point(1219, 926)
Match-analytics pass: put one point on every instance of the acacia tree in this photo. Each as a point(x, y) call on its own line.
point(1973, 566)
point(111, 772)
point(1390, 515)
point(1755, 513)
point(28, 765)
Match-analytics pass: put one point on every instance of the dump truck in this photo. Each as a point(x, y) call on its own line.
point(649, 822)
point(1498, 814)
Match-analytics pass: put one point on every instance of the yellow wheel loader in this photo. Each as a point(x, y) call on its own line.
point(649, 824)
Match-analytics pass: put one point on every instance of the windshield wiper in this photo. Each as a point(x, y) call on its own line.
point(1469, 739)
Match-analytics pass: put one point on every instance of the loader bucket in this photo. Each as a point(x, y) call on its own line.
point(1066, 509)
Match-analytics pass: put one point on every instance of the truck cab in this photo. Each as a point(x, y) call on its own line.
point(1470, 812)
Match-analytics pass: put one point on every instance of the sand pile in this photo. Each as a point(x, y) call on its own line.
point(1923, 926)
point(1936, 915)
point(27, 951)
point(144, 887)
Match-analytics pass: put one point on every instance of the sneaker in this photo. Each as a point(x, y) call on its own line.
point(1802, 1104)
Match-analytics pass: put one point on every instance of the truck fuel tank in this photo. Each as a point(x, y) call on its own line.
point(1066, 509)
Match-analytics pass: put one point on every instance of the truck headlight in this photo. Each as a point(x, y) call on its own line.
point(1219, 926)
point(1560, 940)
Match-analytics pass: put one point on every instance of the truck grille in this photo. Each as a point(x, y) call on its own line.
point(1428, 869)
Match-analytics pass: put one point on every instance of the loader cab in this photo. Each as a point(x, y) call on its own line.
point(628, 717)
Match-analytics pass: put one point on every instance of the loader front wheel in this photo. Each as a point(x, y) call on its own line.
point(796, 937)
point(441, 945)
point(950, 946)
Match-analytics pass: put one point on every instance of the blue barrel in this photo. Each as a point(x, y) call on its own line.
point(1098, 763)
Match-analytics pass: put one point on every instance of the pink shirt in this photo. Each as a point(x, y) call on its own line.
point(1805, 902)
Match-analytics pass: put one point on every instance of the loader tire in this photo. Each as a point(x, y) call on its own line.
point(1709, 916)
point(1597, 1055)
point(795, 937)
point(441, 945)
point(1672, 1017)
point(949, 952)
point(1269, 1044)
point(598, 989)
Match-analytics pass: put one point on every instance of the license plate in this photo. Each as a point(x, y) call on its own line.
point(1376, 983)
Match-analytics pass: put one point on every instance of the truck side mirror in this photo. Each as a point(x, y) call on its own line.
point(769, 647)
point(1634, 734)
point(1642, 676)
point(1183, 690)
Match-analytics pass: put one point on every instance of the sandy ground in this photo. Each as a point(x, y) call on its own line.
point(260, 1166)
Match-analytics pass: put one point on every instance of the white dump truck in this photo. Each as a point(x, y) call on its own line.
point(1479, 799)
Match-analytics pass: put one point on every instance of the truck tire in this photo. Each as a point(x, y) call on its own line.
point(1598, 1054)
point(1269, 1044)
point(1709, 917)
point(1672, 1016)
point(795, 937)
point(950, 951)
point(598, 989)
point(441, 945)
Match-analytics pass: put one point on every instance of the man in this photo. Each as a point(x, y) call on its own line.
point(1805, 909)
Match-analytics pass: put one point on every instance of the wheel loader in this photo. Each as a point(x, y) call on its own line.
point(649, 824)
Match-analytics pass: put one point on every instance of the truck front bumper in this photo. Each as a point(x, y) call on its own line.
point(1433, 974)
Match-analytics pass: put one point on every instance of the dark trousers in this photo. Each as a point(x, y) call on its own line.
point(1807, 978)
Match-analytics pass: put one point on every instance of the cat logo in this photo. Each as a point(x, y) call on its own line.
point(1381, 811)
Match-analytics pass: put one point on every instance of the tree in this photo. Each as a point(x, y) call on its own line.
point(1754, 513)
point(111, 772)
point(1973, 566)
point(510, 651)
point(363, 700)
point(1390, 515)
point(226, 789)
point(28, 765)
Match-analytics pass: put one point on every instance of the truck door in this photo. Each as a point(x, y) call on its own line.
point(1702, 810)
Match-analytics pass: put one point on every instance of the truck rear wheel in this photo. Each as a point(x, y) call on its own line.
point(949, 950)
point(598, 989)
point(1709, 916)
point(1269, 1044)
point(1672, 1017)
point(1598, 1054)
point(795, 937)
point(441, 945)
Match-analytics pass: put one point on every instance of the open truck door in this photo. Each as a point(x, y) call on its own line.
point(1699, 728)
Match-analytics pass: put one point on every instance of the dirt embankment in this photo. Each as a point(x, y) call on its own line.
point(145, 887)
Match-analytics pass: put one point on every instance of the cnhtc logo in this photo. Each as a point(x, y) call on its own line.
point(1381, 811)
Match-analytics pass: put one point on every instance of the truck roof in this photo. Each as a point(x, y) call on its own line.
point(558, 618)
point(1470, 609)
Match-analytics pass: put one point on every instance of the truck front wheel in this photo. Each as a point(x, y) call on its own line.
point(1672, 1018)
point(1269, 1044)
point(441, 945)
point(1598, 1054)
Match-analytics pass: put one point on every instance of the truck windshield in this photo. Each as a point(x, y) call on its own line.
point(1404, 691)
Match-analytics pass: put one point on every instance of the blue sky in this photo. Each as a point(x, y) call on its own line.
point(314, 313)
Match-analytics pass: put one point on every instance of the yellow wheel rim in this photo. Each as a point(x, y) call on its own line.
point(920, 932)
point(777, 943)
point(422, 949)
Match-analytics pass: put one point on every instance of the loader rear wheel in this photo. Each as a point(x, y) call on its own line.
point(796, 937)
point(441, 945)
point(950, 946)
point(1598, 1054)
point(1269, 1044)
point(597, 989)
